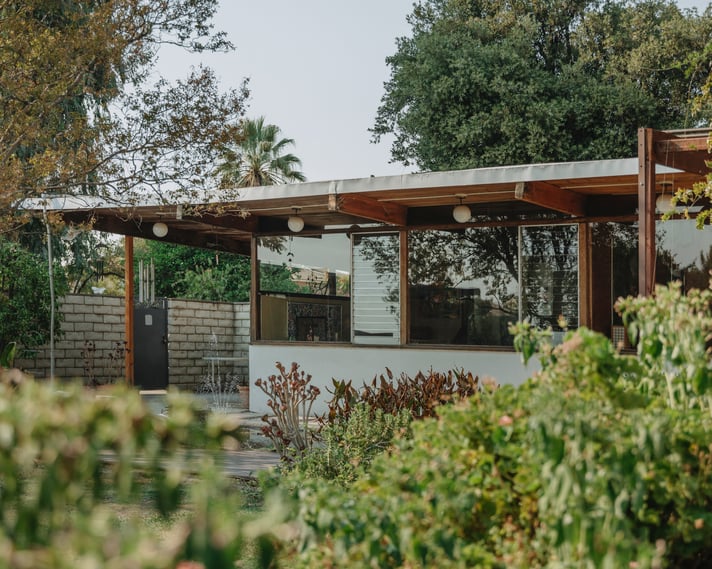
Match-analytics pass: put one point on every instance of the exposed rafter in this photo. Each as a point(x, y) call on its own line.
point(368, 208)
point(235, 222)
point(132, 227)
point(684, 153)
point(551, 197)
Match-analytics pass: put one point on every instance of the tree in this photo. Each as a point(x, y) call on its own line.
point(187, 272)
point(490, 82)
point(78, 115)
point(700, 194)
point(257, 158)
point(24, 296)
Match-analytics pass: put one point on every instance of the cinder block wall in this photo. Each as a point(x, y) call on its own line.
point(196, 329)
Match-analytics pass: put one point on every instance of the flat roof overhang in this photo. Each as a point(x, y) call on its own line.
point(571, 190)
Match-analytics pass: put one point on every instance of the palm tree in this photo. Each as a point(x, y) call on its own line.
point(258, 159)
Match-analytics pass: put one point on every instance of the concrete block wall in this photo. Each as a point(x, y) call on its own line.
point(200, 329)
point(93, 336)
point(196, 329)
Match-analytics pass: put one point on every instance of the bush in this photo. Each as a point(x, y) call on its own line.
point(61, 452)
point(24, 289)
point(594, 462)
point(290, 397)
point(419, 395)
point(349, 445)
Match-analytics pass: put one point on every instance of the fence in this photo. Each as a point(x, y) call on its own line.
point(93, 335)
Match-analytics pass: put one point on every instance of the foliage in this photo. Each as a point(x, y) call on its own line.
point(588, 464)
point(187, 272)
point(290, 397)
point(257, 158)
point(347, 446)
point(492, 82)
point(25, 296)
point(113, 364)
point(420, 395)
point(694, 200)
point(92, 259)
point(78, 114)
point(677, 363)
point(63, 452)
point(278, 278)
point(7, 355)
point(218, 283)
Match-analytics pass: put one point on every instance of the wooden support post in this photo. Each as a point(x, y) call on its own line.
point(129, 308)
point(404, 293)
point(585, 275)
point(254, 292)
point(646, 212)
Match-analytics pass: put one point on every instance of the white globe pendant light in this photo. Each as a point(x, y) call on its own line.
point(461, 213)
point(295, 222)
point(160, 229)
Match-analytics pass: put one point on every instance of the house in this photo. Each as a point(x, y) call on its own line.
point(424, 271)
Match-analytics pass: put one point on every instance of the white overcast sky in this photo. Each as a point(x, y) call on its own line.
point(316, 70)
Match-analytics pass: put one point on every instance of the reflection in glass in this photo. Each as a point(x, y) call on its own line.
point(376, 270)
point(549, 263)
point(463, 286)
point(684, 253)
point(303, 296)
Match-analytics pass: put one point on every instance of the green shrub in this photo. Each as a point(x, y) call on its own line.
point(419, 395)
point(348, 446)
point(26, 302)
point(595, 462)
point(60, 452)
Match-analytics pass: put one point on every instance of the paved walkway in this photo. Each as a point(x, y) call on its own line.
point(241, 463)
point(247, 463)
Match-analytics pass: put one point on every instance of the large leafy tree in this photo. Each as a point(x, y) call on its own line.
point(258, 158)
point(78, 112)
point(25, 298)
point(79, 115)
point(493, 82)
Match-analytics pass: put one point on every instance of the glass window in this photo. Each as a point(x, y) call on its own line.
point(305, 288)
point(684, 253)
point(549, 263)
point(463, 286)
point(376, 283)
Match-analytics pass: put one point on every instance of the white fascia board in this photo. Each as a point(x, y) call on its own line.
point(454, 178)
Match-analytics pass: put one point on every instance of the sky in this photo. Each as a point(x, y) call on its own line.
point(316, 70)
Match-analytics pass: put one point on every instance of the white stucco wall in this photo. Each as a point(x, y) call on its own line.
point(363, 364)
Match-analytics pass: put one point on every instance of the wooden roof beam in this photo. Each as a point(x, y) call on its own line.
point(368, 208)
point(685, 153)
point(551, 197)
point(235, 222)
point(132, 228)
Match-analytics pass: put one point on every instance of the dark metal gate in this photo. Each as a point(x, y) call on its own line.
point(151, 346)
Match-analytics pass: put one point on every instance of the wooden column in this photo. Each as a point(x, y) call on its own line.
point(404, 294)
point(646, 212)
point(254, 292)
point(129, 308)
point(585, 275)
